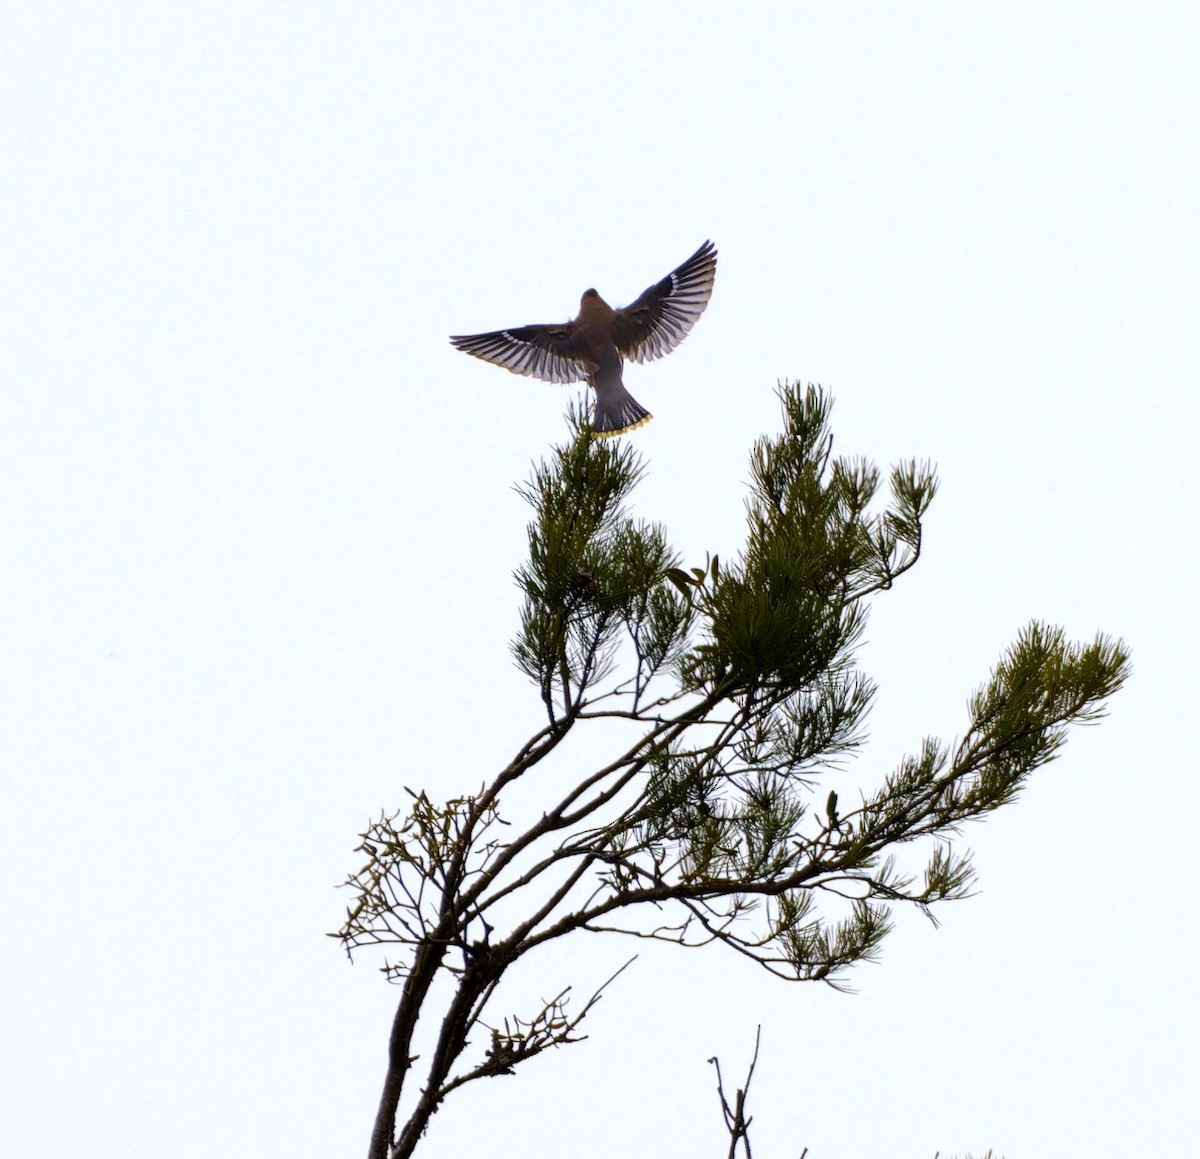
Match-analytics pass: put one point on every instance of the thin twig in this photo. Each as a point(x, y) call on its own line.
point(736, 1122)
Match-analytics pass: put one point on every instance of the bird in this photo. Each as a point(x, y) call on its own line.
point(592, 348)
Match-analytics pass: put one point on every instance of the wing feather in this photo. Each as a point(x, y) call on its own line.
point(539, 351)
point(661, 318)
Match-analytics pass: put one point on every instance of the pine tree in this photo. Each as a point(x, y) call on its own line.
point(724, 691)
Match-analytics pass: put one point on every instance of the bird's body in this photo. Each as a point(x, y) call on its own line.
point(592, 348)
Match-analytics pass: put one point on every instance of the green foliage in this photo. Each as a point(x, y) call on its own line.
point(730, 689)
point(592, 574)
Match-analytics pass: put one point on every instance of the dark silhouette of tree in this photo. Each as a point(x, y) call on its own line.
point(723, 692)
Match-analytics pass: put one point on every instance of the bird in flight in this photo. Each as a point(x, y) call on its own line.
point(593, 347)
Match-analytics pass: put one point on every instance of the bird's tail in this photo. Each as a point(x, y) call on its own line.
point(617, 411)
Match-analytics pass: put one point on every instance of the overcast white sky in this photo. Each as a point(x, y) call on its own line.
point(258, 530)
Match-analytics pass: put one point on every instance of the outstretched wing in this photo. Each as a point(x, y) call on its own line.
point(658, 321)
point(544, 352)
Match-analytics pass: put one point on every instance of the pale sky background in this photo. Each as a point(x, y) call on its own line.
point(258, 530)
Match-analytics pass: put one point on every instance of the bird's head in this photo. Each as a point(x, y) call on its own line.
point(591, 305)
